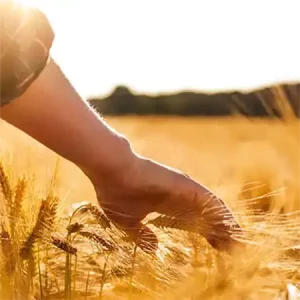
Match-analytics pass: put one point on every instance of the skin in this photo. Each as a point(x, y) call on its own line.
point(128, 186)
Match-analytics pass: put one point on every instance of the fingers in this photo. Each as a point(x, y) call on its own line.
point(137, 232)
point(199, 210)
point(143, 236)
point(223, 238)
point(147, 240)
point(229, 245)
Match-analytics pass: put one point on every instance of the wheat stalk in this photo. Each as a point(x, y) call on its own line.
point(7, 251)
point(63, 245)
point(167, 222)
point(20, 191)
point(6, 187)
point(74, 228)
point(43, 226)
point(19, 195)
point(99, 216)
point(94, 237)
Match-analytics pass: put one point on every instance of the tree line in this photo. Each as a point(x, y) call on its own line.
point(273, 101)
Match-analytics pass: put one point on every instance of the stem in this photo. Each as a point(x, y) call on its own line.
point(86, 285)
point(68, 274)
point(74, 274)
point(103, 274)
point(55, 279)
point(132, 270)
point(75, 211)
point(40, 274)
point(46, 267)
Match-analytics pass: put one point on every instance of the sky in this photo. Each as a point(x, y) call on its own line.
point(155, 46)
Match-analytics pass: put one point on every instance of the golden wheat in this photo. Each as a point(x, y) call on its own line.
point(99, 215)
point(96, 238)
point(73, 228)
point(6, 188)
point(43, 226)
point(20, 191)
point(252, 165)
point(63, 245)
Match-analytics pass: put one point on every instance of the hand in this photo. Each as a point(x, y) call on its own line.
point(146, 187)
point(128, 187)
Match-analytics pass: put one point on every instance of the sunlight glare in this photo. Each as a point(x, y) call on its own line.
point(161, 46)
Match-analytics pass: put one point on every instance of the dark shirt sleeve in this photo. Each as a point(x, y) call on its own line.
point(26, 39)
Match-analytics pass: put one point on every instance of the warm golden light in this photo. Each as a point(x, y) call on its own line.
point(155, 46)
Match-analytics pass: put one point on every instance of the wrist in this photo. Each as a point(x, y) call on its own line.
point(111, 164)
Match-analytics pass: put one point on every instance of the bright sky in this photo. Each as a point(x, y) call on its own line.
point(166, 45)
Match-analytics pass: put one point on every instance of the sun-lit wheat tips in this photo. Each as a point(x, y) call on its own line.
point(54, 245)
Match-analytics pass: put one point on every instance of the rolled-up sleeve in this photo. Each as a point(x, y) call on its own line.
point(26, 40)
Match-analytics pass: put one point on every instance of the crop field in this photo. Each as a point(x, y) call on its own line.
point(56, 243)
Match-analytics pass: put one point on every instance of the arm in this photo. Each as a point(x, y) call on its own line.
point(52, 112)
point(48, 108)
point(38, 99)
point(128, 186)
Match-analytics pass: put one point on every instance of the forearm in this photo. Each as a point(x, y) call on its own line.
point(53, 113)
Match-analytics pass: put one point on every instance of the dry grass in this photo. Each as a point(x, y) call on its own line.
point(55, 246)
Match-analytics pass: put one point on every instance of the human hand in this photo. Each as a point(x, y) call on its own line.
point(128, 187)
point(146, 187)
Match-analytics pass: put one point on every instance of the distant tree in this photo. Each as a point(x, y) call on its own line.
point(273, 101)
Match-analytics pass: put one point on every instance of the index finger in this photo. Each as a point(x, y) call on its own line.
point(194, 208)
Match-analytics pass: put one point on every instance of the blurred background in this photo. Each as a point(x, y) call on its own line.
point(132, 52)
point(209, 87)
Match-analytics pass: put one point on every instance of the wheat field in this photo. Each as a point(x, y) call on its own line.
point(57, 244)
